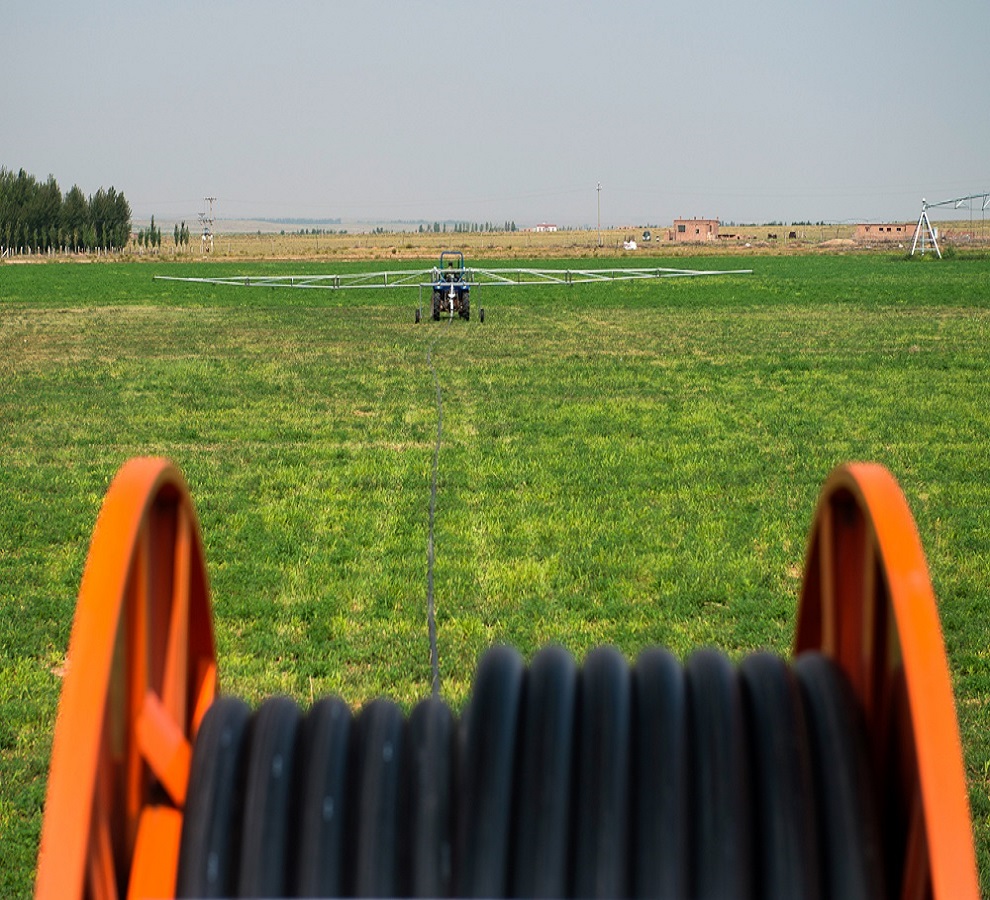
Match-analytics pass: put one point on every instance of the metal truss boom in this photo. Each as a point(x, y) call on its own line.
point(957, 202)
point(427, 277)
point(925, 233)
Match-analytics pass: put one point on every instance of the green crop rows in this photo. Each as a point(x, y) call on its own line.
point(629, 464)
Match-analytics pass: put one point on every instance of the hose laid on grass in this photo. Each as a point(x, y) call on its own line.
point(431, 615)
point(653, 780)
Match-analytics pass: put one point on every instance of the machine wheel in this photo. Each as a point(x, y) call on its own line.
point(437, 301)
point(481, 315)
point(419, 314)
point(465, 306)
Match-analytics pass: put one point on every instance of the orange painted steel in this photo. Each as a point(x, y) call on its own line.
point(155, 863)
point(867, 602)
point(141, 674)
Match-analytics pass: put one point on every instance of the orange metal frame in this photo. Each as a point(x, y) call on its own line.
point(142, 672)
point(867, 602)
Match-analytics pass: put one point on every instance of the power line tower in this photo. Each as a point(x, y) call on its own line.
point(206, 220)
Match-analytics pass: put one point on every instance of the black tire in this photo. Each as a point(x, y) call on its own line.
point(437, 299)
point(266, 833)
point(324, 800)
point(481, 315)
point(486, 779)
point(465, 306)
point(543, 811)
point(660, 772)
point(419, 314)
point(210, 826)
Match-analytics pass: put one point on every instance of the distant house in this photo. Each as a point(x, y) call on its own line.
point(877, 232)
point(544, 226)
point(694, 230)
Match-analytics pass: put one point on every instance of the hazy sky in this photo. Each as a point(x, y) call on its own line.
point(488, 111)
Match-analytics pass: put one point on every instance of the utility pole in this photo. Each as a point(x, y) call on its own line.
point(599, 189)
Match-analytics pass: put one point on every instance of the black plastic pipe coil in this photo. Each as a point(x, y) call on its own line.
point(661, 779)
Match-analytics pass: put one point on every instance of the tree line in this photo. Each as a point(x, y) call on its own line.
point(468, 227)
point(36, 217)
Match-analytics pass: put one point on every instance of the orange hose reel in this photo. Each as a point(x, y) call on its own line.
point(142, 673)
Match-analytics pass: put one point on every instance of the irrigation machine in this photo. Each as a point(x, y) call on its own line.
point(450, 281)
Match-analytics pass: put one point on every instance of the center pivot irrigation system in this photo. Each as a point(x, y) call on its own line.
point(837, 774)
point(450, 281)
point(924, 231)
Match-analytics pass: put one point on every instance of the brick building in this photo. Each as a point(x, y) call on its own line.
point(879, 232)
point(694, 230)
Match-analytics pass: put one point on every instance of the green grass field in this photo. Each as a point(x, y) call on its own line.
point(628, 464)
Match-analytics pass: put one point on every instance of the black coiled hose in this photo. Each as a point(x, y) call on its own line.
point(705, 779)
